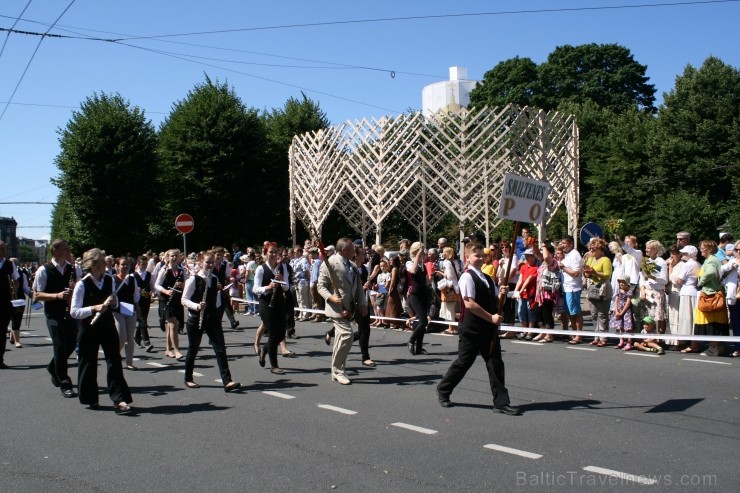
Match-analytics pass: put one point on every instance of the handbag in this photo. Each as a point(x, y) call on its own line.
point(711, 303)
point(550, 281)
point(599, 292)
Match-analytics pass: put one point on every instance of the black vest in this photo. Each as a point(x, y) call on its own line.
point(486, 298)
point(267, 277)
point(418, 282)
point(144, 283)
point(221, 273)
point(95, 296)
point(210, 299)
point(168, 282)
point(6, 277)
point(55, 283)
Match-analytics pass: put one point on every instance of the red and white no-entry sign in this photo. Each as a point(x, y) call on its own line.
point(184, 223)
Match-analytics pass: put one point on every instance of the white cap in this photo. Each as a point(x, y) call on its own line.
point(729, 248)
point(528, 251)
point(690, 249)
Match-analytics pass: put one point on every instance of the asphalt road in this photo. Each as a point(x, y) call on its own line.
point(594, 420)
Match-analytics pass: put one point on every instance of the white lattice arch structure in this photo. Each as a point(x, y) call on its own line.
point(426, 168)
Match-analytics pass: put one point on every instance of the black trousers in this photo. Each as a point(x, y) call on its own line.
point(63, 334)
point(274, 320)
point(226, 308)
point(363, 333)
point(5, 315)
point(420, 306)
point(212, 327)
point(101, 335)
point(142, 329)
point(470, 344)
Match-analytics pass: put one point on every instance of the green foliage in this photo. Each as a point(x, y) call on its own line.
point(107, 154)
point(211, 148)
point(510, 81)
point(684, 210)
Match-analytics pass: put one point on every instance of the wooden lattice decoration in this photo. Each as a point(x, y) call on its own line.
point(427, 168)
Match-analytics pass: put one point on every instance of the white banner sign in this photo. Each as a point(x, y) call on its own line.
point(523, 199)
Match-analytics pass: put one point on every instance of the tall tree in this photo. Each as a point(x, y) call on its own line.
point(697, 144)
point(108, 149)
point(607, 75)
point(511, 81)
point(212, 148)
point(297, 116)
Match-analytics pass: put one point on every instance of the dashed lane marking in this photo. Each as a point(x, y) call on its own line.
point(706, 361)
point(337, 409)
point(418, 429)
point(509, 450)
point(156, 365)
point(621, 475)
point(644, 355)
point(278, 394)
point(581, 348)
point(527, 342)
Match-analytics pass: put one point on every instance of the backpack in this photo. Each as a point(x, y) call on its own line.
point(550, 281)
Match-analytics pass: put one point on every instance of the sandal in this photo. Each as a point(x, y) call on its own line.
point(544, 340)
point(449, 332)
point(689, 350)
point(368, 362)
point(289, 354)
point(736, 354)
point(594, 342)
point(192, 385)
point(122, 408)
point(575, 341)
point(600, 344)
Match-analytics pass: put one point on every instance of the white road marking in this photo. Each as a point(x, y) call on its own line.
point(527, 342)
point(195, 373)
point(706, 361)
point(337, 409)
point(621, 475)
point(581, 348)
point(278, 394)
point(508, 450)
point(419, 429)
point(157, 365)
point(47, 338)
point(644, 355)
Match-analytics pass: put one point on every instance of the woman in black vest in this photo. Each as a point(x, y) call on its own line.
point(419, 297)
point(271, 296)
point(170, 282)
point(92, 303)
point(202, 297)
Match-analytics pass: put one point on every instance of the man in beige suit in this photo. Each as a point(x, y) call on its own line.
point(340, 285)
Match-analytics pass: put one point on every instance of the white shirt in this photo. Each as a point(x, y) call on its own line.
point(189, 289)
point(39, 283)
point(78, 295)
point(660, 275)
point(258, 288)
point(14, 275)
point(688, 273)
point(730, 280)
point(572, 261)
point(160, 278)
point(467, 284)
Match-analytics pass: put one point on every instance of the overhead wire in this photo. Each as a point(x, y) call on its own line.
point(33, 55)
point(13, 26)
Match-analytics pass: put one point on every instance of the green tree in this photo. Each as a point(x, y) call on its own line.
point(212, 148)
point(606, 74)
point(297, 116)
point(511, 81)
point(107, 153)
point(696, 147)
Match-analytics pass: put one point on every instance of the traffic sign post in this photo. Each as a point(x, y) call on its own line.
point(184, 224)
point(588, 231)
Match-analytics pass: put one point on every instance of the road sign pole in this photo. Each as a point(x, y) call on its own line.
point(185, 245)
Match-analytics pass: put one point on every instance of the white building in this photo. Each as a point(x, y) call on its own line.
point(449, 95)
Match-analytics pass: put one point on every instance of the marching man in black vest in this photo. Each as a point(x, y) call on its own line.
point(478, 334)
point(202, 298)
point(143, 280)
point(53, 285)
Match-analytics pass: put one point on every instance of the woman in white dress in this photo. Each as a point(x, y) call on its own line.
point(687, 278)
point(448, 309)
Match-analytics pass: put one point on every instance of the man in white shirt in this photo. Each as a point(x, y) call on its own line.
point(572, 286)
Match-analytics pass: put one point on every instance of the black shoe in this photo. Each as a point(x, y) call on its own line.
point(262, 357)
point(3, 366)
point(508, 410)
point(232, 386)
point(69, 393)
point(94, 407)
point(327, 338)
point(421, 350)
point(293, 335)
point(234, 324)
point(122, 409)
point(412, 349)
point(444, 400)
point(149, 348)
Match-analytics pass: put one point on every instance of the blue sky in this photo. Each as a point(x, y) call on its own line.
point(273, 64)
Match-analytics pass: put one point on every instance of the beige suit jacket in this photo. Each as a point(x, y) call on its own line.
point(351, 291)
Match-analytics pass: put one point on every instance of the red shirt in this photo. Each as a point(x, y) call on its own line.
point(526, 271)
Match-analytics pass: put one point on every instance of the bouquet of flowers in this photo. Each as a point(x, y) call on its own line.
point(613, 226)
point(649, 267)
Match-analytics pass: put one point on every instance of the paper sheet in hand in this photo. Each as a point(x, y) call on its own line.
point(37, 305)
point(18, 303)
point(126, 309)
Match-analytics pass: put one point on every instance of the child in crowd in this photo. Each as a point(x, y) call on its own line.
point(650, 345)
point(621, 320)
